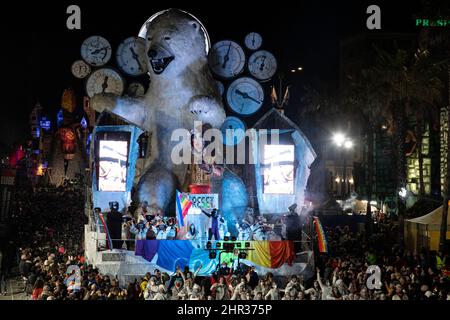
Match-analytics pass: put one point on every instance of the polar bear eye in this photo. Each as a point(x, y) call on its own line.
point(149, 39)
point(194, 25)
point(167, 38)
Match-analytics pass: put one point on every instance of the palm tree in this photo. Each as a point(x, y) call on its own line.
point(363, 97)
point(440, 43)
point(411, 84)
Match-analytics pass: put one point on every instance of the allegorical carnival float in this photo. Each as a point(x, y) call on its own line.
point(174, 139)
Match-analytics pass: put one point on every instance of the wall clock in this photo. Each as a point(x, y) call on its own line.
point(131, 56)
point(227, 59)
point(262, 65)
point(253, 41)
point(80, 69)
point(245, 96)
point(105, 80)
point(96, 51)
point(233, 131)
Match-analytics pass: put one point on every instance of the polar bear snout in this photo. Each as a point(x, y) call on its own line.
point(160, 58)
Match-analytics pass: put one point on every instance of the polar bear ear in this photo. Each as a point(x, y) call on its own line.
point(194, 25)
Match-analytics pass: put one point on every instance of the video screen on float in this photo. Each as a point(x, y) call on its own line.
point(113, 166)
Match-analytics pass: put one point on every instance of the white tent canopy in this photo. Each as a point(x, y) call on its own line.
point(433, 219)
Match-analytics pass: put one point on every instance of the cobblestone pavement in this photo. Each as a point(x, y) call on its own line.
point(15, 289)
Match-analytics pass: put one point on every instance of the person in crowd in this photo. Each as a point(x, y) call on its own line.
point(45, 245)
point(252, 277)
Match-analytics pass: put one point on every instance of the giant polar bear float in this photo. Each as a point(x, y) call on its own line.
point(181, 91)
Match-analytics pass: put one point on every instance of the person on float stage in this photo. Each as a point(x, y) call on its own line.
point(192, 233)
point(114, 223)
point(244, 230)
point(214, 219)
point(139, 230)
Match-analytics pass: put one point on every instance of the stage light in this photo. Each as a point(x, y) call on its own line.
point(218, 245)
point(247, 244)
point(233, 238)
point(208, 245)
point(228, 247)
point(238, 245)
point(226, 238)
point(212, 255)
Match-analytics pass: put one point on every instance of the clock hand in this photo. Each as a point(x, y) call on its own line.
point(253, 42)
point(245, 95)
point(104, 50)
point(227, 57)
point(105, 84)
point(136, 57)
point(99, 50)
point(263, 63)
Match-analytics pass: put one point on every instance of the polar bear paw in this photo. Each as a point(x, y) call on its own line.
point(200, 105)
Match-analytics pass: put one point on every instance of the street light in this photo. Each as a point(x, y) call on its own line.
point(339, 139)
point(344, 143)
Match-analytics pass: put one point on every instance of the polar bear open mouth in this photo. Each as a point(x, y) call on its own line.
point(159, 65)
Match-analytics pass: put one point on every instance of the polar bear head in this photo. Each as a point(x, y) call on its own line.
point(176, 41)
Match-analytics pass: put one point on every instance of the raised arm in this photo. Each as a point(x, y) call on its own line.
point(131, 109)
point(207, 214)
point(319, 280)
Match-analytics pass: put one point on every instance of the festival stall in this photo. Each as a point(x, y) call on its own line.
point(424, 232)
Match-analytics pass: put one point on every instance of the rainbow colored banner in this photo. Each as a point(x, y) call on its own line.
point(108, 237)
point(172, 253)
point(183, 206)
point(321, 239)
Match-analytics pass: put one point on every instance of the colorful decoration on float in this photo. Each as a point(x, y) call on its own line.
point(68, 142)
point(173, 253)
point(183, 206)
point(45, 123)
point(69, 100)
point(321, 239)
point(59, 118)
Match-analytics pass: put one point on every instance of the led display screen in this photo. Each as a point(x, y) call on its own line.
point(278, 169)
point(113, 165)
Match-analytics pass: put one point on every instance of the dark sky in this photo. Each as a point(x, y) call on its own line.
point(38, 50)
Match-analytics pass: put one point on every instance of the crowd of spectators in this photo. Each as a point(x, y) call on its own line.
point(48, 228)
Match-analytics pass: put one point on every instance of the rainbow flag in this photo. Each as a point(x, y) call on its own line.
point(108, 237)
point(321, 239)
point(183, 206)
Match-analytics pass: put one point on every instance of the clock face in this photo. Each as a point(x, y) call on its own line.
point(136, 89)
point(220, 87)
point(233, 131)
point(80, 69)
point(262, 65)
point(253, 41)
point(227, 59)
point(131, 56)
point(105, 80)
point(96, 51)
point(245, 96)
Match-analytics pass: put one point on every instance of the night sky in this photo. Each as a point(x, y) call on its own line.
point(38, 50)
